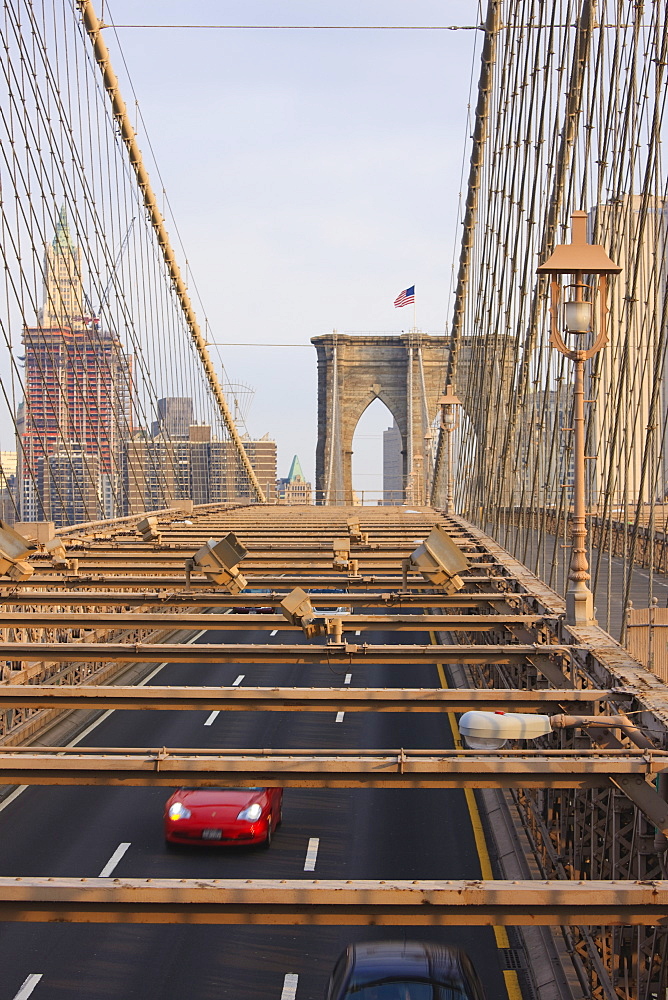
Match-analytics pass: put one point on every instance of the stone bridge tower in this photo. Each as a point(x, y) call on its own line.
point(406, 373)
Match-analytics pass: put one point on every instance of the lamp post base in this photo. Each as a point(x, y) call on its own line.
point(580, 606)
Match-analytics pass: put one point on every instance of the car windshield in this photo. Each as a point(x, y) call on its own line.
point(204, 788)
point(405, 990)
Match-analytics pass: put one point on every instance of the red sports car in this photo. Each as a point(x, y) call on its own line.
point(225, 816)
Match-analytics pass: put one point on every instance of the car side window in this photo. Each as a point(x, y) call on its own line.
point(338, 975)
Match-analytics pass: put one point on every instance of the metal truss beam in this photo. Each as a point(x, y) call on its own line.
point(312, 558)
point(248, 653)
point(290, 699)
point(327, 768)
point(352, 622)
point(283, 582)
point(218, 599)
point(325, 902)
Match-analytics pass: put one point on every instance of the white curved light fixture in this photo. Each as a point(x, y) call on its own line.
point(492, 730)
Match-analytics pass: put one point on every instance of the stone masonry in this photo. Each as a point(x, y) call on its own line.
point(386, 367)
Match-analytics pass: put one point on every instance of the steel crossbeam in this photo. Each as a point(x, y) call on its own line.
point(275, 572)
point(284, 581)
point(351, 622)
point(327, 768)
point(290, 699)
point(329, 902)
point(216, 598)
point(249, 653)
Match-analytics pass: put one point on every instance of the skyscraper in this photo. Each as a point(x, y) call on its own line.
point(393, 487)
point(295, 489)
point(76, 413)
point(175, 416)
point(195, 466)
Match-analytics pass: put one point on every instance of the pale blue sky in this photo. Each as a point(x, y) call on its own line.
point(312, 176)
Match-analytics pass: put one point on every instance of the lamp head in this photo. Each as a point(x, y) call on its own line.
point(13, 548)
point(492, 730)
point(296, 607)
point(219, 560)
point(578, 316)
point(440, 561)
point(449, 409)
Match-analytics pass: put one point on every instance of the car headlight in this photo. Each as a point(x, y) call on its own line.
point(177, 810)
point(251, 813)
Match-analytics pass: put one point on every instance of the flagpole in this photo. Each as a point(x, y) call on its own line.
point(414, 319)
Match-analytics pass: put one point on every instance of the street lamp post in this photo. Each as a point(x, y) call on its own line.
point(576, 317)
point(449, 422)
point(492, 730)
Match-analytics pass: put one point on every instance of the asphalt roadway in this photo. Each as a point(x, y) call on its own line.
point(361, 833)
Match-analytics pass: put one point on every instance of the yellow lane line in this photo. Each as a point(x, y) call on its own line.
point(500, 933)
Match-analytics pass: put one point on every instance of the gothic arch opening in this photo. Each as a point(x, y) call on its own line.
point(374, 446)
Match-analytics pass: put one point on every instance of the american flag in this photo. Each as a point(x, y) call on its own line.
point(405, 298)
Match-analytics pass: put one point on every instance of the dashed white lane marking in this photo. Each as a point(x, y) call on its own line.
point(289, 986)
point(274, 632)
point(347, 679)
point(339, 716)
point(359, 631)
point(28, 986)
point(113, 861)
point(311, 854)
point(105, 715)
point(238, 681)
point(149, 677)
point(214, 715)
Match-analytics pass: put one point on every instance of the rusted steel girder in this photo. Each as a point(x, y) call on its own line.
point(327, 768)
point(176, 550)
point(281, 582)
point(329, 902)
point(218, 622)
point(249, 653)
point(275, 572)
point(290, 699)
point(90, 562)
point(281, 562)
point(218, 598)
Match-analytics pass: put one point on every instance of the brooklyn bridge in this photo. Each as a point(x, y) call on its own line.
point(442, 706)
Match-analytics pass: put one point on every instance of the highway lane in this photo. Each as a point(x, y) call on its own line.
point(372, 833)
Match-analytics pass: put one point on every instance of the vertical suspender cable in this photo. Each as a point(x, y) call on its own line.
point(564, 161)
point(487, 59)
point(94, 29)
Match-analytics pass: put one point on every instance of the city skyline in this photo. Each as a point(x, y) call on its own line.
point(80, 454)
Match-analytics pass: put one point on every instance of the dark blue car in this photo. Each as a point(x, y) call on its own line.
point(403, 970)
